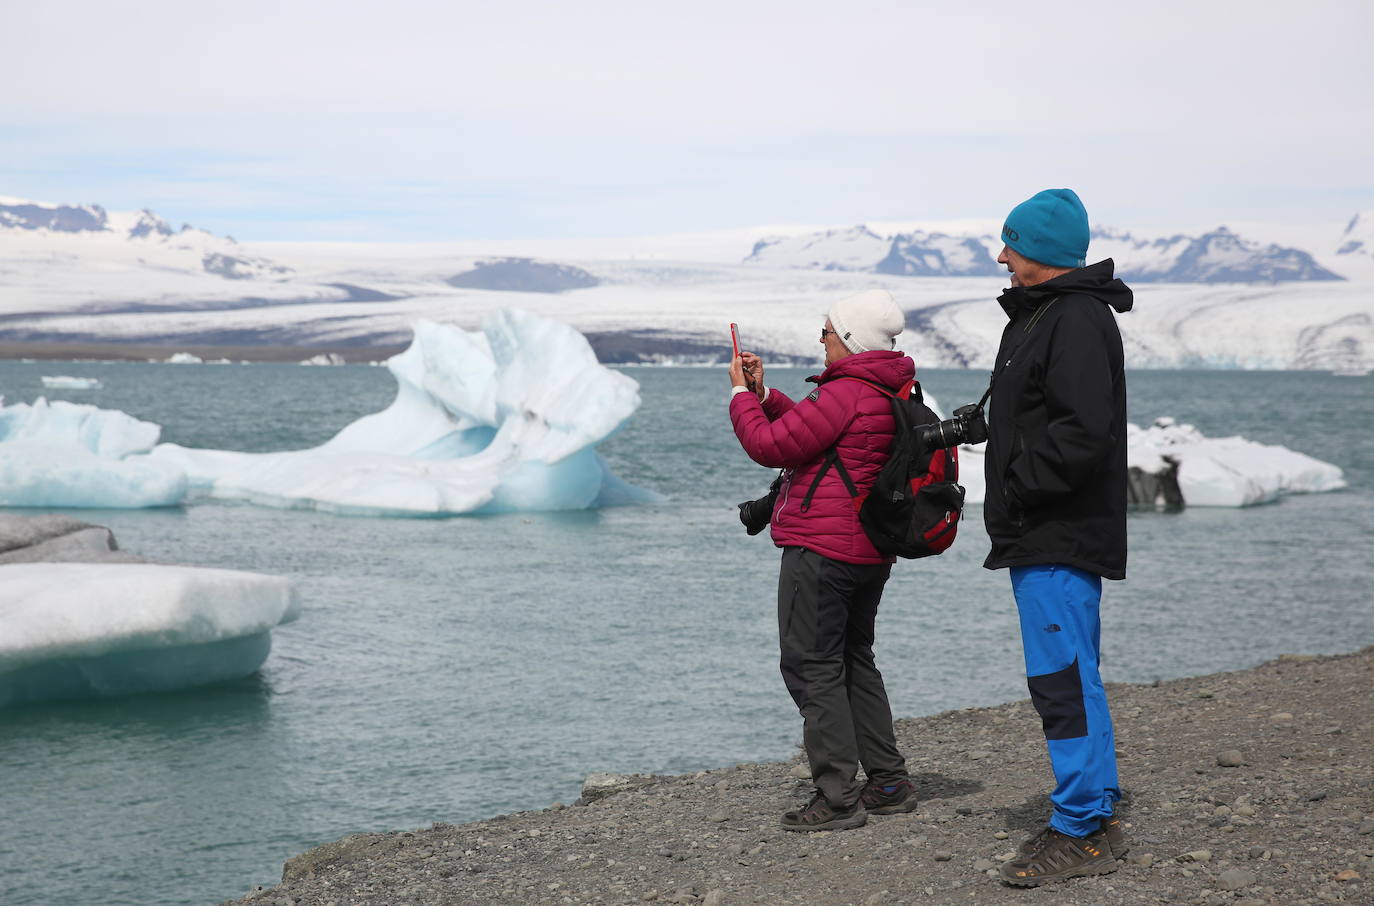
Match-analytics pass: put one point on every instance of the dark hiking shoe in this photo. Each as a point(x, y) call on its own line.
point(1116, 839)
point(820, 815)
point(1058, 857)
point(889, 799)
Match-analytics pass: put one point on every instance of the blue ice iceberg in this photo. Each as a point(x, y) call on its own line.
point(74, 630)
point(497, 420)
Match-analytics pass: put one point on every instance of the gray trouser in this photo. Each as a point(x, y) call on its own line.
point(826, 610)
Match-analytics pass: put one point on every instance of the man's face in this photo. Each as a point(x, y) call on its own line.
point(1016, 264)
point(1024, 271)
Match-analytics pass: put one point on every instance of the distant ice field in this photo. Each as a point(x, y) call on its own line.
point(451, 669)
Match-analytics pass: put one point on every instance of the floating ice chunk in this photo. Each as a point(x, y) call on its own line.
point(69, 454)
point(184, 358)
point(1227, 471)
point(505, 419)
point(71, 630)
point(67, 382)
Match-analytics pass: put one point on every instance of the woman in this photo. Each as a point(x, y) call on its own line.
point(832, 577)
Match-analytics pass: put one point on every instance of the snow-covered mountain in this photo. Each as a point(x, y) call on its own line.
point(1218, 256)
point(915, 254)
point(188, 248)
point(85, 275)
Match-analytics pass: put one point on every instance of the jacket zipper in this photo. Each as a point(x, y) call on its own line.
point(786, 492)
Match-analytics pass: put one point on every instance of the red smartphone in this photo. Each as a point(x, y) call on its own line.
point(734, 338)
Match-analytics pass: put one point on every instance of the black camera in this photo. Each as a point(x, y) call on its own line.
point(968, 426)
point(756, 514)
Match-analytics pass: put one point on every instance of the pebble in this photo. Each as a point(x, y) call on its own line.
point(714, 897)
point(983, 865)
point(1236, 878)
point(1282, 717)
point(1231, 758)
point(1002, 835)
point(1367, 826)
point(720, 816)
point(1349, 874)
point(1144, 860)
point(1316, 796)
point(942, 855)
point(1197, 855)
point(800, 772)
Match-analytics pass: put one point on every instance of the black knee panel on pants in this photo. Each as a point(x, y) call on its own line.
point(1058, 699)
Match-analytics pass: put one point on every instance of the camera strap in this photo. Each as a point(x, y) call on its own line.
point(1025, 332)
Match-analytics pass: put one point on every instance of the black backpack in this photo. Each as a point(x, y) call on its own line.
point(914, 506)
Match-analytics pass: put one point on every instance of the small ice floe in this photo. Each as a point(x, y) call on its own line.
point(1226, 471)
point(1172, 465)
point(80, 618)
point(325, 358)
point(74, 630)
point(67, 382)
point(184, 358)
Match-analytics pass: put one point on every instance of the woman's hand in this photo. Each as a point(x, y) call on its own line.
point(753, 373)
point(737, 376)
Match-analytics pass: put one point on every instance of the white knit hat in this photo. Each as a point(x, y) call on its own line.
point(867, 320)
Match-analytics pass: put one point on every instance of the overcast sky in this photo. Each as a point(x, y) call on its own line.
point(431, 120)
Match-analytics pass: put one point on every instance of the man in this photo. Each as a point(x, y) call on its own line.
point(1056, 513)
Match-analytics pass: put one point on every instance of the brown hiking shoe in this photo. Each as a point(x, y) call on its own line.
point(889, 799)
point(1116, 838)
point(820, 815)
point(1058, 857)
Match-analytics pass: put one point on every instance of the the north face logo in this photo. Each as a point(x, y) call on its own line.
point(1009, 234)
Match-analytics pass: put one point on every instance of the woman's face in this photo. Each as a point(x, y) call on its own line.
point(834, 348)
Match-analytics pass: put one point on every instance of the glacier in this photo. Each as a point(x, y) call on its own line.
point(506, 418)
point(75, 630)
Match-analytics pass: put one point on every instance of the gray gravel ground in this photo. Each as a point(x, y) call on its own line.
point(1243, 788)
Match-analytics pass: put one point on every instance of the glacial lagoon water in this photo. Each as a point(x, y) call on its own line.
point(449, 670)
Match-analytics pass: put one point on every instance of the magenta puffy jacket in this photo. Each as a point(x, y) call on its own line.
point(849, 415)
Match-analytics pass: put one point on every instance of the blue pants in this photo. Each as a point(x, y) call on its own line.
point(1061, 632)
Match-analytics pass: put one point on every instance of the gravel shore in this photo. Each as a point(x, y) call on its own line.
point(1246, 788)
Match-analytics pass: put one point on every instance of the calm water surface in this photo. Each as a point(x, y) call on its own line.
point(448, 670)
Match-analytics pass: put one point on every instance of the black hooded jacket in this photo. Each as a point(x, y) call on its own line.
point(1056, 453)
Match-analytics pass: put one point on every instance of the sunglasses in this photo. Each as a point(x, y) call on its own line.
point(825, 331)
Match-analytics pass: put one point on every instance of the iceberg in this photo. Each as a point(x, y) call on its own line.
point(74, 630)
point(64, 454)
point(506, 418)
point(1225, 471)
point(67, 382)
point(1228, 471)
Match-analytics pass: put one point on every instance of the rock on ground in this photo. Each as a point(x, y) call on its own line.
point(1291, 826)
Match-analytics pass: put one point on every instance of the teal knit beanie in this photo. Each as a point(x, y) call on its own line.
point(1050, 227)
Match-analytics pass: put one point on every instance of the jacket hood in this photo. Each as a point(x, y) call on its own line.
point(1095, 280)
point(888, 367)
